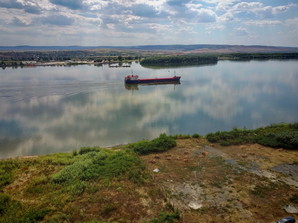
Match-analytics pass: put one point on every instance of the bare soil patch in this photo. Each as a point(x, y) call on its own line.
point(211, 183)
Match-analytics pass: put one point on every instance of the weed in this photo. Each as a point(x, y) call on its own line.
point(33, 215)
point(108, 208)
point(165, 217)
point(58, 217)
point(264, 190)
point(294, 199)
point(39, 185)
point(6, 171)
point(57, 159)
point(12, 211)
point(259, 191)
point(217, 184)
point(77, 188)
point(4, 202)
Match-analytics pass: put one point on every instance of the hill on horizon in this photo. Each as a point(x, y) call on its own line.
point(192, 48)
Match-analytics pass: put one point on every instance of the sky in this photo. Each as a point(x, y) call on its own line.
point(148, 22)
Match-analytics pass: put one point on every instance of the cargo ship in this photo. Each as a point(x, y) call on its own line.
point(134, 79)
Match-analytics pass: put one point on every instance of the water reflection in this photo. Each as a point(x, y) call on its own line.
point(133, 87)
point(169, 65)
point(44, 111)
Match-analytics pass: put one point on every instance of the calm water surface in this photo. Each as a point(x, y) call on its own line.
point(58, 109)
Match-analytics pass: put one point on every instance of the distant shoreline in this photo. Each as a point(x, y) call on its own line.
point(69, 58)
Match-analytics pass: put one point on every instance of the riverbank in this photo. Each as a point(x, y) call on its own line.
point(169, 179)
point(28, 64)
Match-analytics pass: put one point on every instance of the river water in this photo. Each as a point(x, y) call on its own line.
point(59, 109)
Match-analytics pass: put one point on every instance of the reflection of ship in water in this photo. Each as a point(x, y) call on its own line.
point(134, 79)
point(119, 65)
point(133, 87)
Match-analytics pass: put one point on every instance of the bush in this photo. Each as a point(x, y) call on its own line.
point(287, 140)
point(84, 150)
point(195, 136)
point(72, 172)
point(181, 136)
point(160, 144)
point(104, 164)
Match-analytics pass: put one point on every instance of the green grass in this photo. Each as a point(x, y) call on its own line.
point(12, 211)
point(278, 135)
point(57, 179)
point(6, 172)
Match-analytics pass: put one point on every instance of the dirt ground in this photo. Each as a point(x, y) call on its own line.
point(211, 183)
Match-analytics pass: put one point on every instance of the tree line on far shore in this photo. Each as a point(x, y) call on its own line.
point(213, 58)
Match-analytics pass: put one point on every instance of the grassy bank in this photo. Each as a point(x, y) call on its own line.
point(100, 185)
point(70, 187)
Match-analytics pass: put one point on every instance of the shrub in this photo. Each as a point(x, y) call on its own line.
point(84, 150)
point(160, 144)
point(195, 136)
point(104, 164)
point(74, 152)
point(181, 136)
point(278, 135)
point(72, 172)
point(287, 140)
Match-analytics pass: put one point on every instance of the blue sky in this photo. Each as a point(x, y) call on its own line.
point(147, 22)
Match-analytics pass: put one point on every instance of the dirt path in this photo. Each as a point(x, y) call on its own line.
point(289, 170)
point(209, 183)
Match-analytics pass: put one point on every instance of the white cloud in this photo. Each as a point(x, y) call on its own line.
point(213, 27)
point(260, 9)
point(138, 18)
point(241, 31)
point(262, 23)
point(227, 17)
point(292, 22)
point(205, 15)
